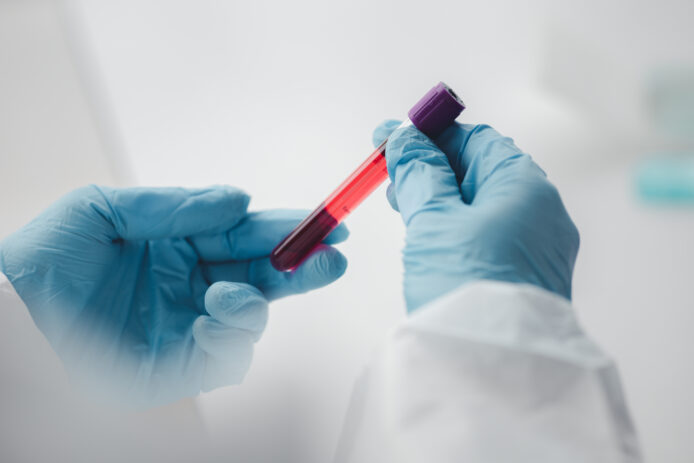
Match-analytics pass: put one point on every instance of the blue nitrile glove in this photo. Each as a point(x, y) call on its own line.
point(475, 207)
point(155, 294)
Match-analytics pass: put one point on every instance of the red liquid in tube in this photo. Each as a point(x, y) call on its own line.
point(313, 229)
point(435, 111)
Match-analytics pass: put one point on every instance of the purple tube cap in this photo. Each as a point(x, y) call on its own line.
point(436, 110)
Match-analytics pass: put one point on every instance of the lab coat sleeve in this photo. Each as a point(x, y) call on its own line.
point(493, 372)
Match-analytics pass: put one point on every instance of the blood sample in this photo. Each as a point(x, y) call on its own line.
point(431, 115)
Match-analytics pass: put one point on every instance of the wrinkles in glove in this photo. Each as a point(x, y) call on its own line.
point(149, 295)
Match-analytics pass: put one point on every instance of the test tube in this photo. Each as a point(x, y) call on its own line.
point(431, 115)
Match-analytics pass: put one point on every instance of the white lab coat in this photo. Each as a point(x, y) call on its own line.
point(493, 372)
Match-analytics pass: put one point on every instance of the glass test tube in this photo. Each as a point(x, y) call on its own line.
point(431, 115)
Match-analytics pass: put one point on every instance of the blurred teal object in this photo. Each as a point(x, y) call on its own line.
point(667, 178)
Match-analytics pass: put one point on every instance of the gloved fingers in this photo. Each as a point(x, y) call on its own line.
point(479, 154)
point(421, 174)
point(152, 213)
point(220, 372)
point(380, 133)
point(228, 350)
point(323, 266)
point(255, 236)
point(392, 199)
point(384, 130)
point(238, 305)
point(220, 340)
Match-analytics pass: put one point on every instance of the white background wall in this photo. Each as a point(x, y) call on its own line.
point(280, 98)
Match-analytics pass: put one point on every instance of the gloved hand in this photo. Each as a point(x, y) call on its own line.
point(154, 294)
point(475, 207)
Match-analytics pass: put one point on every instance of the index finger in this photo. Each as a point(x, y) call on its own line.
point(478, 153)
point(255, 236)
